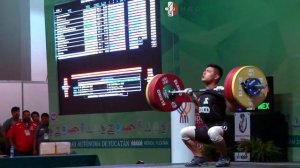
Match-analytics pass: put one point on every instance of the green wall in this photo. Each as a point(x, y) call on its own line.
point(263, 33)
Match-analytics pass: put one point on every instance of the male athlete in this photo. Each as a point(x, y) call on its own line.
point(212, 109)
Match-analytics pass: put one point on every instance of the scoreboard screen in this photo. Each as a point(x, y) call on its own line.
point(106, 51)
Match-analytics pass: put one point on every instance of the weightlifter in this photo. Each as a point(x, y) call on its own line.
point(212, 109)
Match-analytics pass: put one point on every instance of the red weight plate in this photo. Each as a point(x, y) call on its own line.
point(228, 93)
point(156, 96)
point(150, 89)
point(158, 100)
point(150, 86)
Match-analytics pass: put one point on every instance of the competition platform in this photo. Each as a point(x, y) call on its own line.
point(92, 161)
point(210, 165)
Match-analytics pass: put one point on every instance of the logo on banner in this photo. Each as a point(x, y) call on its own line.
point(242, 126)
point(172, 9)
point(183, 110)
point(243, 123)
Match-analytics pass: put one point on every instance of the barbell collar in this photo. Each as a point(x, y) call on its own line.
point(261, 86)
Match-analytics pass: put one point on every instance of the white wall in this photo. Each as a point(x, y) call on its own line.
point(29, 95)
point(10, 96)
point(38, 41)
point(32, 96)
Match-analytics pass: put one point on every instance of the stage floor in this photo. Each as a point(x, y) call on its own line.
point(210, 165)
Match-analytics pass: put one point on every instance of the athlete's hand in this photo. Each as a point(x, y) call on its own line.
point(188, 91)
point(219, 88)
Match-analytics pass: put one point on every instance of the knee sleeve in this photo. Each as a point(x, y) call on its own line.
point(187, 133)
point(215, 134)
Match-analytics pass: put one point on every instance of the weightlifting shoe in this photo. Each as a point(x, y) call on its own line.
point(223, 162)
point(196, 162)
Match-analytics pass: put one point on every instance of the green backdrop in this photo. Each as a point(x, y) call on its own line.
point(263, 33)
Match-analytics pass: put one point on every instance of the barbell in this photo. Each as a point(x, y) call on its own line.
point(244, 86)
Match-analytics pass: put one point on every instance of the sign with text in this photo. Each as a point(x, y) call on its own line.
point(242, 156)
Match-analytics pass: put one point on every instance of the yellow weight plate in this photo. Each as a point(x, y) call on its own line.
point(239, 93)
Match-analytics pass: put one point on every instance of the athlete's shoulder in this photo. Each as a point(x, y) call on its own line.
point(214, 93)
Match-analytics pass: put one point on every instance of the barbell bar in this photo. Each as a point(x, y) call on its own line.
point(244, 86)
point(218, 88)
point(248, 88)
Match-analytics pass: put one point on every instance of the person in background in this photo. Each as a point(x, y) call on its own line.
point(21, 135)
point(1, 130)
point(2, 142)
point(35, 117)
point(41, 133)
point(15, 117)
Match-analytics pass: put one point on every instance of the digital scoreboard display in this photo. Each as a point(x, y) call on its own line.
point(106, 51)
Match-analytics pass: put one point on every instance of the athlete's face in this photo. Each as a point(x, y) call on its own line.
point(209, 75)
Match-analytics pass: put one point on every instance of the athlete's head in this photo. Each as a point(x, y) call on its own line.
point(212, 74)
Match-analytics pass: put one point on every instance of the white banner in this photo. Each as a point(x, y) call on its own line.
point(180, 118)
point(242, 126)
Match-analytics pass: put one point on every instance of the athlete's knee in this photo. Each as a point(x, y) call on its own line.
point(187, 133)
point(215, 134)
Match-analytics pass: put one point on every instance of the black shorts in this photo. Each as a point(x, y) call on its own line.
point(201, 135)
